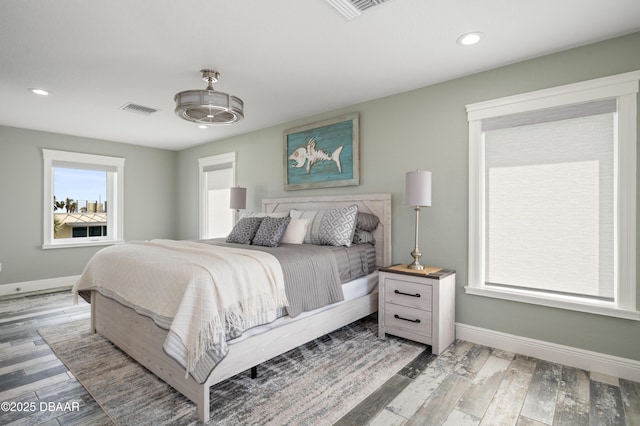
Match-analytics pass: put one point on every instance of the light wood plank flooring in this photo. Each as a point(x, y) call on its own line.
point(467, 385)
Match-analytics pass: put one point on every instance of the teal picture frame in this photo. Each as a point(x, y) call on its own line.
point(324, 154)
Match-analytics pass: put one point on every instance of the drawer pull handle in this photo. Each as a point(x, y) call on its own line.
point(406, 294)
point(417, 321)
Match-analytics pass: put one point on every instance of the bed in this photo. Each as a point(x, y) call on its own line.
point(140, 337)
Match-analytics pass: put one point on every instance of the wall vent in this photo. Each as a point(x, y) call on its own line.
point(351, 9)
point(138, 108)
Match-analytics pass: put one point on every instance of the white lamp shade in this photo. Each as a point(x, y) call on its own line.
point(238, 198)
point(417, 189)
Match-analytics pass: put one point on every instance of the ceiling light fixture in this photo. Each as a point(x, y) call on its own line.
point(40, 92)
point(208, 107)
point(469, 39)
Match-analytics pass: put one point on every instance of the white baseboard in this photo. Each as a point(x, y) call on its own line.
point(561, 354)
point(37, 286)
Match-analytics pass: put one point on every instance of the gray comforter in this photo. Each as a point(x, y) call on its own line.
point(311, 275)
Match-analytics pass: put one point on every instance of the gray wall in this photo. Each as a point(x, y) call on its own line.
point(427, 129)
point(422, 129)
point(149, 195)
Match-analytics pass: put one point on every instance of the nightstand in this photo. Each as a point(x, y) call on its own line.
point(417, 305)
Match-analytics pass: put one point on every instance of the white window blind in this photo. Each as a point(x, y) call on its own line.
point(219, 216)
point(217, 176)
point(550, 200)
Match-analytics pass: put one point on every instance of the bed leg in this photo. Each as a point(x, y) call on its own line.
point(93, 312)
point(254, 372)
point(203, 404)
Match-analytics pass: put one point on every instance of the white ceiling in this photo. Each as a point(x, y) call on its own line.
point(286, 59)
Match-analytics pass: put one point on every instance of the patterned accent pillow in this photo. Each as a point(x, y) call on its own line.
point(333, 227)
point(244, 231)
point(338, 226)
point(270, 232)
point(367, 221)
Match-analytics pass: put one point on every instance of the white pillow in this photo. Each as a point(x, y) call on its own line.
point(296, 230)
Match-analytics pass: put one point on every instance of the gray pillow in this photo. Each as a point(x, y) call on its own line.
point(367, 221)
point(270, 232)
point(245, 230)
point(363, 237)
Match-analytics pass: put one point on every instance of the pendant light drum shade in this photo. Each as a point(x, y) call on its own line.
point(209, 107)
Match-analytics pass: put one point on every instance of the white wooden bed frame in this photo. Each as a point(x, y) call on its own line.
point(139, 337)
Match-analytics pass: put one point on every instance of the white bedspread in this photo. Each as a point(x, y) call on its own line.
point(207, 294)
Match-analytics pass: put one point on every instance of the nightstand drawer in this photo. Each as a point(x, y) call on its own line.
point(402, 318)
point(407, 293)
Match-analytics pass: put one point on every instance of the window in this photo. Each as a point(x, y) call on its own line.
point(83, 199)
point(552, 178)
point(217, 176)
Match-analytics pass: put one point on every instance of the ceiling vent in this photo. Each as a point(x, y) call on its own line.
point(351, 9)
point(138, 108)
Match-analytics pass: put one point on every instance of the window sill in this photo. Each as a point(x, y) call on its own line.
point(85, 243)
point(528, 297)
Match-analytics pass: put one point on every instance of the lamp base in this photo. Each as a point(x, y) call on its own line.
point(415, 264)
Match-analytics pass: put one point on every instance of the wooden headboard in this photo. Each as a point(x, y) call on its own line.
point(377, 204)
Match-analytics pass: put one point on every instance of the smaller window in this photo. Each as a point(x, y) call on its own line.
point(217, 176)
point(83, 199)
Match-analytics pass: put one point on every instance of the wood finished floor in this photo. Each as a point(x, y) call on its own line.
point(467, 385)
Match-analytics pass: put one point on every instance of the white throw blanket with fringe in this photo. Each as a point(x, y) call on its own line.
point(209, 294)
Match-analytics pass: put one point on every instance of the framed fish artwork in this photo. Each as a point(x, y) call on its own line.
point(323, 154)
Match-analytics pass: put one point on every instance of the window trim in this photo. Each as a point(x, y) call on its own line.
point(625, 88)
point(203, 164)
point(115, 197)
